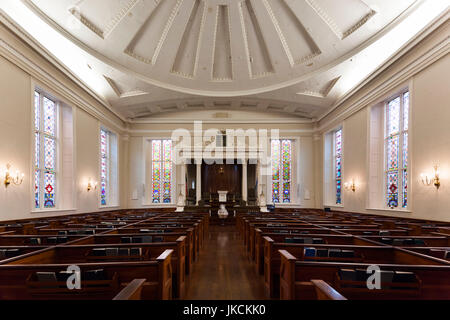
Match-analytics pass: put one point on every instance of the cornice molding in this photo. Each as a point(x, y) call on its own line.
point(39, 73)
point(433, 54)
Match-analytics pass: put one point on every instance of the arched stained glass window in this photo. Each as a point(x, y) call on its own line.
point(162, 171)
point(45, 151)
point(281, 151)
point(338, 165)
point(396, 149)
point(104, 146)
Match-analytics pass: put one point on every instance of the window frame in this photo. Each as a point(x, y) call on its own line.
point(42, 135)
point(111, 202)
point(401, 142)
point(281, 178)
point(335, 157)
point(148, 199)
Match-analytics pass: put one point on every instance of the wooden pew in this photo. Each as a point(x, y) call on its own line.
point(133, 291)
point(191, 248)
point(76, 254)
point(17, 283)
point(432, 281)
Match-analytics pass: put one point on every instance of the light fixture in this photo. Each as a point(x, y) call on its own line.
point(91, 185)
point(426, 181)
point(350, 185)
point(9, 179)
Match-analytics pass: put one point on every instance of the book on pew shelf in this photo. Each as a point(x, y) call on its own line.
point(136, 251)
point(124, 251)
point(125, 240)
point(12, 253)
point(404, 277)
point(62, 233)
point(398, 242)
point(51, 240)
point(347, 253)
point(112, 251)
point(46, 277)
point(310, 252)
point(386, 277)
point(347, 275)
point(99, 252)
point(419, 242)
point(35, 241)
point(409, 242)
point(447, 255)
point(158, 239)
point(361, 275)
point(367, 233)
point(62, 239)
point(308, 240)
point(147, 239)
point(144, 230)
point(288, 240)
point(322, 253)
point(95, 275)
point(335, 253)
point(62, 276)
point(136, 240)
point(384, 233)
point(386, 240)
point(298, 240)
point(318, 241)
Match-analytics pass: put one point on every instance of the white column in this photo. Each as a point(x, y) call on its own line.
point(181, 195)
point(244, 181)
point(198, 184)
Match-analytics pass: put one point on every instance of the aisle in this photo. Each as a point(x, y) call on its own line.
point(223, 271)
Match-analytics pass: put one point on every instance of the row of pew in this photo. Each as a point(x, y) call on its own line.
point(293, 248)
point(120, 255)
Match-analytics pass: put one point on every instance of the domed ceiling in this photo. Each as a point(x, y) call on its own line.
point(167, 55)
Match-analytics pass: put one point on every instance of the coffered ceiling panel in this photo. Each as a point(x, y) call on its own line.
point(296, 58)
point(219, 47)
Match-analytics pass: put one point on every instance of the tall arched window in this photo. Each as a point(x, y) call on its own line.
point(338, 165)
point(45, 154)
point(396, 150)
point(281, 170)
point(161, 171)
point(108, 168)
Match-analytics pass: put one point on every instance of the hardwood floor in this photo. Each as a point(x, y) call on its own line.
point(223, 271)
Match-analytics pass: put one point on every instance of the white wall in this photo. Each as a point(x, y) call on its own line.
point(429, 130)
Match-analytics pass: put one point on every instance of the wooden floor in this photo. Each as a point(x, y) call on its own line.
point(223, 271)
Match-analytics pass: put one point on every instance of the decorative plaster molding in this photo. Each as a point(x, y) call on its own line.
point(433, 54)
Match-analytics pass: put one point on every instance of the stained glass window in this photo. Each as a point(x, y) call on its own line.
point(281, 170)
point(162, 171)
point(396, 149)
point(45, 152)
point(103, 167)
point(338, 164)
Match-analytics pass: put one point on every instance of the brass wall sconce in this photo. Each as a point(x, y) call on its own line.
point(9, 179)
point(350, 185)
point(426, 181)
point(91, 185)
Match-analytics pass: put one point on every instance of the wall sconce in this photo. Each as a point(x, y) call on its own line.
point(91, 185)
point(426, 181)
point(9, 179)
point(350, 185)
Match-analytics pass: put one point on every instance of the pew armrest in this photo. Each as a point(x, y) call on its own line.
point(326, 292)
point(132, 291)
